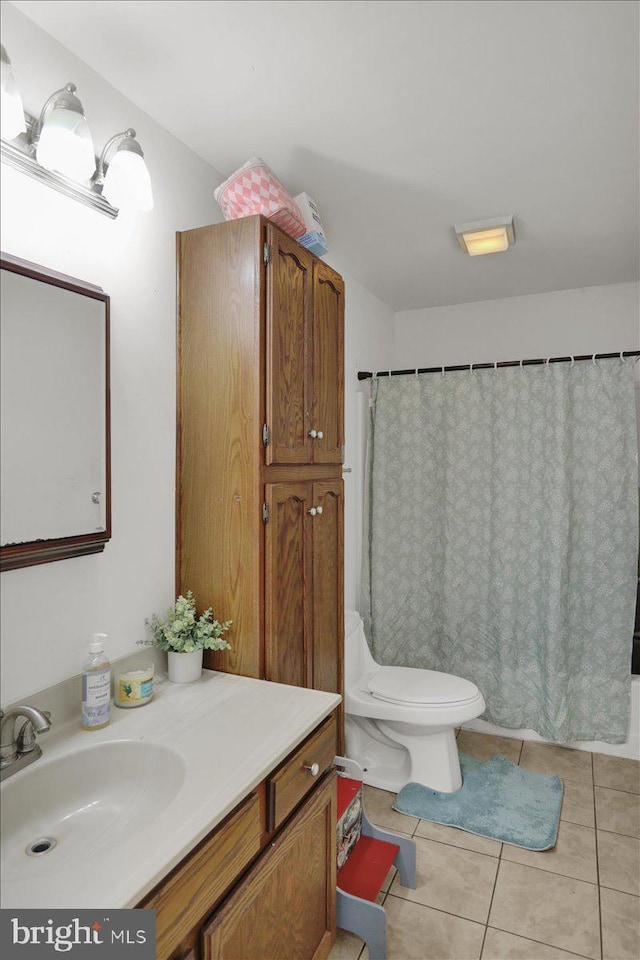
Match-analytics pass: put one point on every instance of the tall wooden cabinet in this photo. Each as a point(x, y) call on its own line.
point(260, 441)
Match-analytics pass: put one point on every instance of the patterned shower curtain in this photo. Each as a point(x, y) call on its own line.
point(502, 538)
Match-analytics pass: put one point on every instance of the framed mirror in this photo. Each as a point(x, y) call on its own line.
point(55, 483)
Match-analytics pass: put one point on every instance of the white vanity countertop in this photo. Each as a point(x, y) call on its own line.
point(229, 732)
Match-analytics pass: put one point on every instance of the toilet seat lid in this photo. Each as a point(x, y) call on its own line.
point(410, 685)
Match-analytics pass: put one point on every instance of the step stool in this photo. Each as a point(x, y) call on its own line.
point(365, 856)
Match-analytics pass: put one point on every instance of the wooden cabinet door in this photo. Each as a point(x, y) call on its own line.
point(287, 580)
point(303, 584)
point(192, 890)
point(288, 349)
point(285, 907)
point(327, 592)
point(327, 377)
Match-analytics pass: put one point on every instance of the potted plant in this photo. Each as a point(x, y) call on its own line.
point(184, 636)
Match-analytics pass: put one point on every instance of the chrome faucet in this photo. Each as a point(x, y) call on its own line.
point(18, 750)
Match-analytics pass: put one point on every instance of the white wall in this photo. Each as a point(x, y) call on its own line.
point(368, 345)
point(565, 322)
point(49, 611)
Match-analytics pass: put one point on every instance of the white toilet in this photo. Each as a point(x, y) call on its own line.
point(400, 721)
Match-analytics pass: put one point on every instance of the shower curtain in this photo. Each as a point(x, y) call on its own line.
point(502, 538)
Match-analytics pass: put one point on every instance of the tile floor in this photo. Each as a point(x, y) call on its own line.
point(477, 898)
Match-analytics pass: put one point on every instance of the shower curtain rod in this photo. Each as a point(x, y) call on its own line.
point(367, 375)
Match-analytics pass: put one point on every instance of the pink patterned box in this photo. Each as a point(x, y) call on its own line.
point(254, 188)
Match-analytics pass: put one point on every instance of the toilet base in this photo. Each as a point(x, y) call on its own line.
point(384, 764)
point(393, 754)
point(434, 755)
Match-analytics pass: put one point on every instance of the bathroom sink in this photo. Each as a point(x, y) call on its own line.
point(61, 814)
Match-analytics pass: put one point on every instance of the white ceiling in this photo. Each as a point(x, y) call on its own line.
point(401, 119)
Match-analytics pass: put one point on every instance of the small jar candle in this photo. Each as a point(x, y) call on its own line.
point(134, 687)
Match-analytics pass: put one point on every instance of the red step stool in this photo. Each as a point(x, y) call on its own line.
point(368, 861)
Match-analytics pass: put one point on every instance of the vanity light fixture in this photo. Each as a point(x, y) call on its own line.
point(11, 111)
point(62, 138)
point(57, 149)
point(486, 236)
point(126, 183)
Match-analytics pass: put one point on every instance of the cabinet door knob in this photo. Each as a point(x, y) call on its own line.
point(313, 769)
point(313, 434)
point(319, 434)
point(318, 510)
point(312, 512)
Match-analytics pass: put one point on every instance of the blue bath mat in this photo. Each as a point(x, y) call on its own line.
point(497, 799)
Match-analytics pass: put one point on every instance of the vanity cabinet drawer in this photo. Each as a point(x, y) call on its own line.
point(300, 772)
point(204, 877)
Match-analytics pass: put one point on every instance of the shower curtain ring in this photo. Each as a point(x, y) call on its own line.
point(573, 361)
point(622, 356)
point(546, 363)
point(521, 362)
point(593, 360)
point(443, 370)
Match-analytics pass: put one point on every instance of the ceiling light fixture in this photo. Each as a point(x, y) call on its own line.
point(57, 149)
point(486, 236)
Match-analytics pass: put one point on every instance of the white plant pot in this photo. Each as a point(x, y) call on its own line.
point(185, 667)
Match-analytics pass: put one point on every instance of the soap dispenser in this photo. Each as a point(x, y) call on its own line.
point(96, 686)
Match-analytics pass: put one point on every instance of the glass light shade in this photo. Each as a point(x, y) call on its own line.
point(11, 110)
point(127, 184)
point(486, 241)
point(65, 145)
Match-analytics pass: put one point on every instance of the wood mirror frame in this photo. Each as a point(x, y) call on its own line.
point(30, 553)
